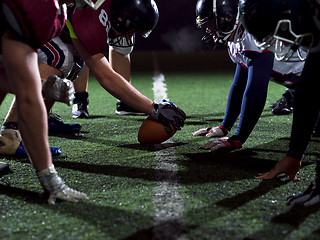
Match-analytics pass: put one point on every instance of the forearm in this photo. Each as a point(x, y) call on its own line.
point(32, 117)
point(117, 86)
point(121, 64)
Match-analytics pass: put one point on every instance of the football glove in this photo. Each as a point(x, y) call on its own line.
point(57, 89)
point(222, 144)
point(56, 188)
point(217, 131)
point(168, 114)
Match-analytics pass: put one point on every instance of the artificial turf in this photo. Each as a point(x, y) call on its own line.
point(165, 191)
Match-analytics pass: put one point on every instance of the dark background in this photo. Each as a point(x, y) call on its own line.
point(175, 43)
point(176, 29)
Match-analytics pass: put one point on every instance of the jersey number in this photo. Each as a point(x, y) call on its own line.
point(103, 17)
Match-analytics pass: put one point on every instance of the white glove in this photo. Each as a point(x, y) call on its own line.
point(57, 89)
point(56, 188)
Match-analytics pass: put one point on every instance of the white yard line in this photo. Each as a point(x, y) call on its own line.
point(168, 202)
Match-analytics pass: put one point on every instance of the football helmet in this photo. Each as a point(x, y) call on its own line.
point(285, 27)
point(85, 3)
point(217, 19)
point(134, 16)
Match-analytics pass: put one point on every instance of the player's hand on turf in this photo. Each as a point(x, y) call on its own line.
point(56, 188)
point(168, 114)
point(58, 89)
point(287, 165)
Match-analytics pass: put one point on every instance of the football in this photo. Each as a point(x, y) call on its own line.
point(152, 131)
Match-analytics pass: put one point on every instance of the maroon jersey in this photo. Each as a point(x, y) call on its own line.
point(92, 27)
point(38, 20)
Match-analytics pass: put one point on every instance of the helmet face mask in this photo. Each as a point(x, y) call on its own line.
point(217, 19)
point(209, 30)
point(85, 3)
point(285, 27)
point(119, 40)
point(287, 45)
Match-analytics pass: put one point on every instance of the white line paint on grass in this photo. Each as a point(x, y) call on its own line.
point(169, 204)
point(159, 88)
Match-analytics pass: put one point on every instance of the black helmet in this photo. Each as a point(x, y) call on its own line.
point(217, 19)
point(131, 16)
point(286, 27)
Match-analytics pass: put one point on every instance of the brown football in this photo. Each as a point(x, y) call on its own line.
point(152, 131)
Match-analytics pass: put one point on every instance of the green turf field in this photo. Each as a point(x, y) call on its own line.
point(172, 190)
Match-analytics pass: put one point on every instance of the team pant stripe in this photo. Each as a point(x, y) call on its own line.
point(55, 56)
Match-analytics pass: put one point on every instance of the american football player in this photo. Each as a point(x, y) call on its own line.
point(90, 31)
point(120, 49)
point(248, 92)
point(54, 58)
point(59, 57)
point(25, 26)
point(292, 26)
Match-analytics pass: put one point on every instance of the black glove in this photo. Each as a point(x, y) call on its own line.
point(168, 114)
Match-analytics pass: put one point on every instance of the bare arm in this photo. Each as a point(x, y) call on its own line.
point(120, 63)
point(113, 82)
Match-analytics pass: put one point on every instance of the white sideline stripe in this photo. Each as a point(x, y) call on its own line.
point(159, 88)
point(168, 203)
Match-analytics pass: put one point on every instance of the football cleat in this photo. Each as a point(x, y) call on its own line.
point(11, 144)
point(222, 144)
point(56, 125)
point(283, 106)
point(21, 151)
point(80, 105)
point(217, 131)
point(124, 109)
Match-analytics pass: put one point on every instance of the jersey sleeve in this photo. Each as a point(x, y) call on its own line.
point(91, 28)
